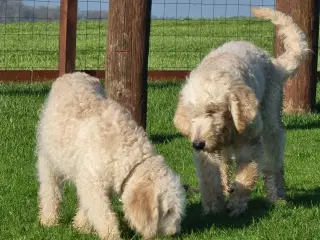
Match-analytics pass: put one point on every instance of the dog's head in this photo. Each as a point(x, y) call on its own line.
point(155, 207)
point(212, 123)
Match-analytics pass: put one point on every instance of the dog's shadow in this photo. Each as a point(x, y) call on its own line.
point(311, 124)
point(164, 138)
point(305, 198)
point(258, 209)
point(196, 221)
point(25, 91)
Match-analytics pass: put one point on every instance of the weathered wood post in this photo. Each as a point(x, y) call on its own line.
point(127, 55)
point(68, 34)
point(300, 91)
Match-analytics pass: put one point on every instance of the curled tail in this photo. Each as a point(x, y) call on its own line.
point(294, 40)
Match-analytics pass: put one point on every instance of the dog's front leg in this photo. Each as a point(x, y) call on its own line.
point(49, 192)
point(209, 180)
point(97, 206)
point(247, 157)
point(226, 170)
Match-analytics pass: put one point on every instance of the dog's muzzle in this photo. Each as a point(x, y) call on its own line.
point(198, 145)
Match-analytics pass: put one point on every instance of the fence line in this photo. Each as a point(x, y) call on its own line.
point(49, 75)
point(209, 9)
point(67, 46)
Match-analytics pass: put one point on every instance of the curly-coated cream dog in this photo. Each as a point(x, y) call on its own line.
point(231, 106)
point(95, 143)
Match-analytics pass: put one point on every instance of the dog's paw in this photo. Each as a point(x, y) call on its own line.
point(273, 198)
point(238, 201)
point(213, 207)
point(48, 221)
point(81, 224)
point(237, 204)
point(235, 208)
point(110, 234)
point(279, 201)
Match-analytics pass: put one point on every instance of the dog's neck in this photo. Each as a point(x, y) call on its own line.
point(131, 172)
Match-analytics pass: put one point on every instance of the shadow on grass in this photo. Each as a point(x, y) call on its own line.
point(164, 138)
point(307, 124)
point(305, 198)
point(311, 124)
point(317, 107)
point(166, 84)
point(195, 221)
point(24, 91)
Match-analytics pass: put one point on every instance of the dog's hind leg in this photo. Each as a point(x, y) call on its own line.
point(209, 180)
point(49, 195)
point(272, 165)
point(94, 200)
point(247, 157)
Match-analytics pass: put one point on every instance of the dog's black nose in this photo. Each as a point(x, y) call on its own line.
point(199, 145)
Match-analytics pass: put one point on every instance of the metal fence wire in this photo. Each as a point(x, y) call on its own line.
point(29, 32)
point(182, 31)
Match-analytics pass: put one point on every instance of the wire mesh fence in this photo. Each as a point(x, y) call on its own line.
point(182, 31)
point(91, 34)
point(29, 33)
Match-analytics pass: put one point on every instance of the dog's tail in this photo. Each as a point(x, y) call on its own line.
point(294, 40)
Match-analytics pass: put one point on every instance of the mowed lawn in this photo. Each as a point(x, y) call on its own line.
point(174, 45)
point(299, 219)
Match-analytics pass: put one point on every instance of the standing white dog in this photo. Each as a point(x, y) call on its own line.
point(95, 143)
point(230, 105)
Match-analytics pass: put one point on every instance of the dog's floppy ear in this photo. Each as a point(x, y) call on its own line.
point(243, 105)
point(142, 210)
point(181, 120)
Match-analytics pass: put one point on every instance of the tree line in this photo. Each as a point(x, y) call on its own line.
point(15, 11)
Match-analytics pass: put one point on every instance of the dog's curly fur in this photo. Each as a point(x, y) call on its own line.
point(230, 105)
point(92, 141)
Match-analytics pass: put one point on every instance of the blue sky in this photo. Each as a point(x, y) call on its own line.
point(178, 8)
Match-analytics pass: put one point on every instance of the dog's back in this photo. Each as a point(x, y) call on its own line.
point(74, 101)
point(78, 119)
point(95, 143)
point(75, 94)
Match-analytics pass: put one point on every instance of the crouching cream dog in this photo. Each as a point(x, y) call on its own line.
point(231, 105)
point(92, 141)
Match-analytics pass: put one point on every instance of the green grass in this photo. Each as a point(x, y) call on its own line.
point(299, 219)
point(174, 44)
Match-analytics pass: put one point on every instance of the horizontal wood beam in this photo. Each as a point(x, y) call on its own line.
point(48, 75)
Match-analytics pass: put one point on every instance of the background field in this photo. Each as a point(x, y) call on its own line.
point(20, 105)
point(174, 44)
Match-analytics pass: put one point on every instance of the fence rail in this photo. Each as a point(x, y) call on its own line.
point(182, 32)
point(48, 75)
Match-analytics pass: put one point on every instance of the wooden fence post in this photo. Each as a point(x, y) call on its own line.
point(127, 55)
point(300, 91)
point(67, 40)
